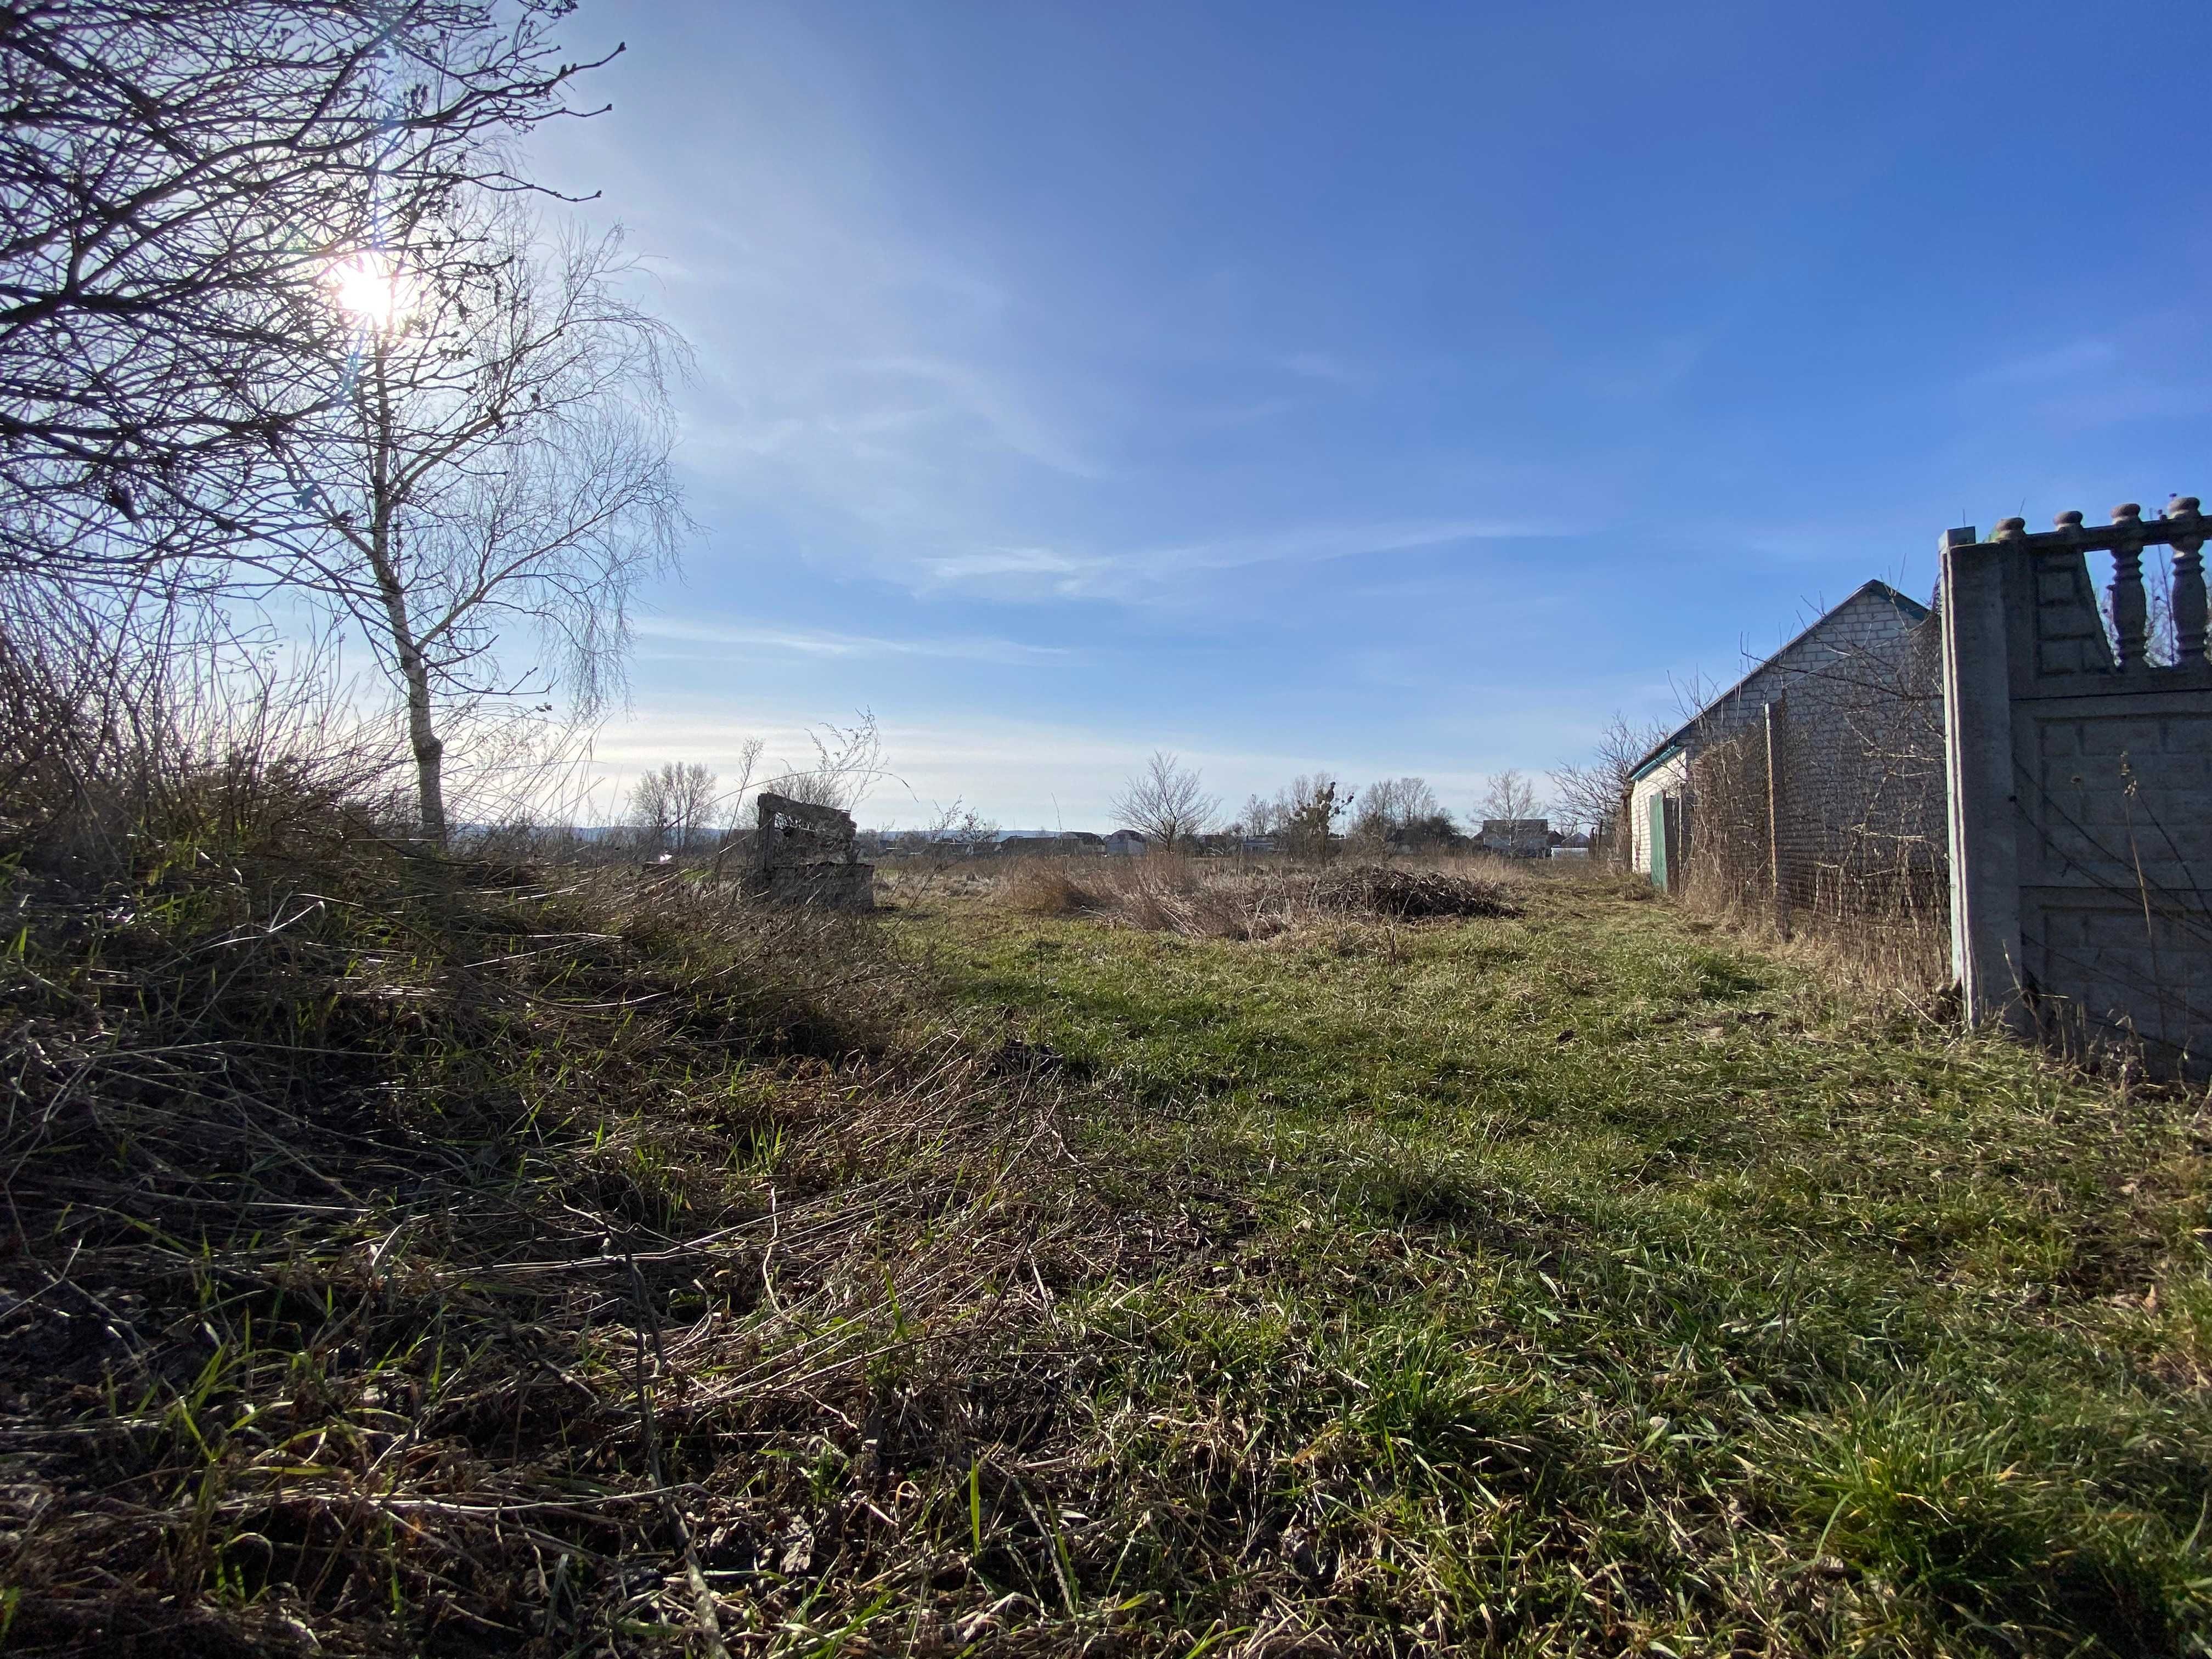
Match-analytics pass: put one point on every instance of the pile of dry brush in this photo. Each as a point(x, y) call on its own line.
point(1201, 900)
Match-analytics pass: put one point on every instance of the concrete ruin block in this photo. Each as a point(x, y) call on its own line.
point(808, 854)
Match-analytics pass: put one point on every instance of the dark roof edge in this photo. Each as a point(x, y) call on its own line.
point(1652, 761)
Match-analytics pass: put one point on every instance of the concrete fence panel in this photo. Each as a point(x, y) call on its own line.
point(2078, 756)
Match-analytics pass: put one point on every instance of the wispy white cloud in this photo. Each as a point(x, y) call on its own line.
point(807, 643)
point(965, 393)
point(2090, 356)
point(2130, 372)
point(1145, 571)
point(989, 564)
point(1326, 366)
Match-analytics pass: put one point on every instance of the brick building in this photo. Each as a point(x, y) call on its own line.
point(1857, 698)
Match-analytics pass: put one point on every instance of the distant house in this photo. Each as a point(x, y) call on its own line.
point(1826, 676)
point(1127, 843)
point(1516, 838)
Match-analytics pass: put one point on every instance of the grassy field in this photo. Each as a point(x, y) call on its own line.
point(408, 1256)
point(1589, 1281)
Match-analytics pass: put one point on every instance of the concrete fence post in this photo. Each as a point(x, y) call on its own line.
point(1978, 741)
point(1776, 875)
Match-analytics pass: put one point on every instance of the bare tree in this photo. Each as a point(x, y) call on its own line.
point(1401, 811)
point(1401, 801)
point(1261, 816)
point(1311, 808)
point(673, 808)
point(1589, 796)
point(971, 831)
point(496, 482)
point(1167, 800)
point(1510, 795)
point(177, 178)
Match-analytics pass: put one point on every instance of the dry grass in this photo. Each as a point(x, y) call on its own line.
point(412, 1256)
point(1894, 957)
point(409, 1255)
point(1199, 899)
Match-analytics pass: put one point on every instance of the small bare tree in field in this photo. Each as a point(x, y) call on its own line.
point(673, 808)
point(1510, 795)
point(496, 482)
point(177, 177)
point(1167, 800)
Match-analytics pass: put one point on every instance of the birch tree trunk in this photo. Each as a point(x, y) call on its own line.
point(428, 749)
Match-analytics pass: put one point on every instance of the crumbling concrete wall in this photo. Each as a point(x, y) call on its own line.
point(808, 854)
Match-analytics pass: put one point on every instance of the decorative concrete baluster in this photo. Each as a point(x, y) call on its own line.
point(2130, 614)
point(2188, 602)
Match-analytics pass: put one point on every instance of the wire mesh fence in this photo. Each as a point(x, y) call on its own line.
point(1822, 813)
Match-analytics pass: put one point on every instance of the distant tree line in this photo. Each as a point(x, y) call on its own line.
point(1317, 815)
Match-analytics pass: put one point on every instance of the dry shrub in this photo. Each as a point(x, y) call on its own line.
point(1405, 895)
point(1039, 888)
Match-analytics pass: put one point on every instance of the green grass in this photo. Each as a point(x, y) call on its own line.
point(1591, 1280)
point(407, 1257)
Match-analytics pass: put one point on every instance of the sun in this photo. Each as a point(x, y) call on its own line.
point(371, 290)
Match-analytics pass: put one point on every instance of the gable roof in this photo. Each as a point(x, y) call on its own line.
point(1912, 610)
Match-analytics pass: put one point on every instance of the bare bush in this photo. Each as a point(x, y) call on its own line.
point(1590, 797)
point(1309, 812)
point(1167, 800)
point(849, 761)
point(671, 808)
point(127, 719)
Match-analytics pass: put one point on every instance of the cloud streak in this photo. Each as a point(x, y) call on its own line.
point(1139, 573)
point(812, 643)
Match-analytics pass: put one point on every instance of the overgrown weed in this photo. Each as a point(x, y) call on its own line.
point(1208, 899)
point(381, 1222)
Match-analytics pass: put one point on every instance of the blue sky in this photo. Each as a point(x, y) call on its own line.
point(1381, 388)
